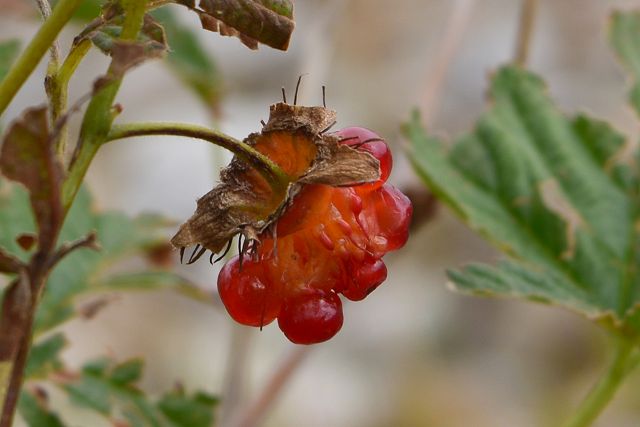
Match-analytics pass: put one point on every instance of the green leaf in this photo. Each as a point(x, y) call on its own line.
point(625, 38)
point(127, 372)
point(16, 217)
point(188, 411)
point(558, 196)
point(35, 412)
point(81, 271)
point(84, 272)
point(88, 10)
point(269, 22)
point(9, 50)
point(44, 356)
point(111, 390)
point(189, 60)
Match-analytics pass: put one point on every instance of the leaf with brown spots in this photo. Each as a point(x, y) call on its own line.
point(559, 196)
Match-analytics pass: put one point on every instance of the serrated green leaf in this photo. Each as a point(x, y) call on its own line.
point(625, 38)
point(9, 50)
point(189, 60)
point(44, 356)
point(558, 196)
point(35, 412)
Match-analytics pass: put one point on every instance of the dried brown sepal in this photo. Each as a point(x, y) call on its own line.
point(245, 203)
point(28, 157)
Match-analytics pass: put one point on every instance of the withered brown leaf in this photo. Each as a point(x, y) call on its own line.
point(244, 202)
point(268, 22)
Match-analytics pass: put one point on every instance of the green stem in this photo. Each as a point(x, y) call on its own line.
point(36, 49)
point(623, 363)
point(99, 115)
point(276, 177)
point(59, 86)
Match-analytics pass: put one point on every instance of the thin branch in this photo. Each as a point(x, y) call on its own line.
point(89, 241)
point(461, 12)
point(235, 376)
point(45, 11)
point(261, 405)
point(525, 31)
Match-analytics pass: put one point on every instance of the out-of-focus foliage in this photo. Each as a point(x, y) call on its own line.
point(558, 195)
point(189, 60)
point(625, 38)
point(86, 273)
point(8, 52)
point(103, 386)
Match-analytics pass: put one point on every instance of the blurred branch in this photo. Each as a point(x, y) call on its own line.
point(234, 387)
point(461, 11)
point(525, 30)
point(259, 407)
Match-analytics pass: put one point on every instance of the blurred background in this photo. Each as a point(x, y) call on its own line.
point(413, 353)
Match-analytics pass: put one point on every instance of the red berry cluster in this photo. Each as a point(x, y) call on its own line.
point(330, 241)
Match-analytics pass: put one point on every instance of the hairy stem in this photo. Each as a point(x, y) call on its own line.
point(525, 30)
point(41, 42)
point(603, 391)
point(269, 170)
point(54, 51)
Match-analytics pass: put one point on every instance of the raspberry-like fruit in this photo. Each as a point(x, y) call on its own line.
point(328, 241)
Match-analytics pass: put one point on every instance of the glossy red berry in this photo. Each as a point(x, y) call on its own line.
point(246, 295)
point(311, 318)
point(366, 277)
